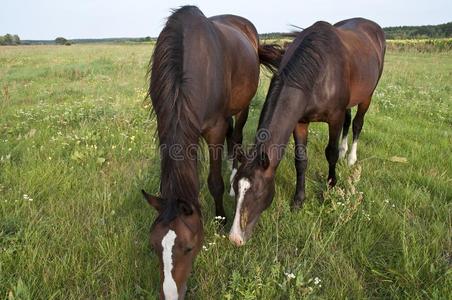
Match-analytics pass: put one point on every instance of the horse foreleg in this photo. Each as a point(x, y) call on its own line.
point(300, 136)
point(332, 150)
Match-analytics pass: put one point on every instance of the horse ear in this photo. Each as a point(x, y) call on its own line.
point(185, 207)
point(152, 200)
point(263, 160)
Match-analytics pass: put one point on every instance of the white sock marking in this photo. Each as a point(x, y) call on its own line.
point(343, 147)
point(236, 231)
point(169, 285)
point(352, 156)
point(231, 180)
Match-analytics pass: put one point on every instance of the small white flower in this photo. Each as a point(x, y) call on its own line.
point(204, 248)
point(290, 275)
point(317, 280)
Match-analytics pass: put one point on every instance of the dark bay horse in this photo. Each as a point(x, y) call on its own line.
point(324, 72)
point(203, 72)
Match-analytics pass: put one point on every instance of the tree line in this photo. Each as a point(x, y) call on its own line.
point(392, 33)
point(419, 32)
point(9, 39)
point(396, 32)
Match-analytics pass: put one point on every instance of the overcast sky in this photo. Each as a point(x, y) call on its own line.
point(47, 19)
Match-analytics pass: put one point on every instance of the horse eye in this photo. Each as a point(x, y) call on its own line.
point(187, 250)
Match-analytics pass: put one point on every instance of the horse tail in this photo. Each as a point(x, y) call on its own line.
point(270, 56)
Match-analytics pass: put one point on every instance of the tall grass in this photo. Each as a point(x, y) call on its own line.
point(77, 145)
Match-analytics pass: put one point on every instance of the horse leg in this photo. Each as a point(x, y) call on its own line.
point(215, 139)
point(344, 142)
point(357, 126)
point(229, 141)
point(300, 136)
point(237, 139)
point(332, 150)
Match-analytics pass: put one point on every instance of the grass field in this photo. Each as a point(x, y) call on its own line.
point(77, 145)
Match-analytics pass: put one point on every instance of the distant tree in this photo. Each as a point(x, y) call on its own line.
point(16, 40)
point(9, 39)
point(60, 40)
point(147, 39)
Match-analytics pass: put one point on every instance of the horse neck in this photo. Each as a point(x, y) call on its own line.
point(179, 169)
point(279, 118)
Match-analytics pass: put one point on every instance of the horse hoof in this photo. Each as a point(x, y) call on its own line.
point(297, 203)
point(332, 182)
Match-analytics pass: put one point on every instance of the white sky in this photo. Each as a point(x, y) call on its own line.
point(47, 19)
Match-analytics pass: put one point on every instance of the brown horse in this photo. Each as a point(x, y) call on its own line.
point(325, 71)
point(203, 72)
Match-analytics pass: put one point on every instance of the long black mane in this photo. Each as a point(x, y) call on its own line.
point(303, 64)
point(178, 127)
point(308, 56)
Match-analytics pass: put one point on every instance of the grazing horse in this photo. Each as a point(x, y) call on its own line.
point(203, 72)
point(324, 72)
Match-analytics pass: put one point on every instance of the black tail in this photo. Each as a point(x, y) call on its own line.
point(270, 56)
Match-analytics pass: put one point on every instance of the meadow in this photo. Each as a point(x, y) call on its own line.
point(77, 145)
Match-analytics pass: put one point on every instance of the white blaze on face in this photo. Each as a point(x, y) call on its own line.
point(352, 156)
point(169, 285)
point(343, 147)
point(236, 234)
point(231, 180)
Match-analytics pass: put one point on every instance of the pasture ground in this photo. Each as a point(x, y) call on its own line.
point(77, 145)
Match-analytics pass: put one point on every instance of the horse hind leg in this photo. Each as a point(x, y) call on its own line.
point(237, 139)
point(215, 139)
point(357, 126)
point(343, 147)
point(230, 143)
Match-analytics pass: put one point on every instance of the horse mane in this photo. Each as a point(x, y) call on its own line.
point(308, 60)
point(178, 126)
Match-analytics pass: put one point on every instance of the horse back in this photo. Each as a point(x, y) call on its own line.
point(365, 46)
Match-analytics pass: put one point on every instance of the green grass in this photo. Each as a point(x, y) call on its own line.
point(76, 138)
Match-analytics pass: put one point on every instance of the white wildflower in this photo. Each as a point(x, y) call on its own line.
point(289, 275)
